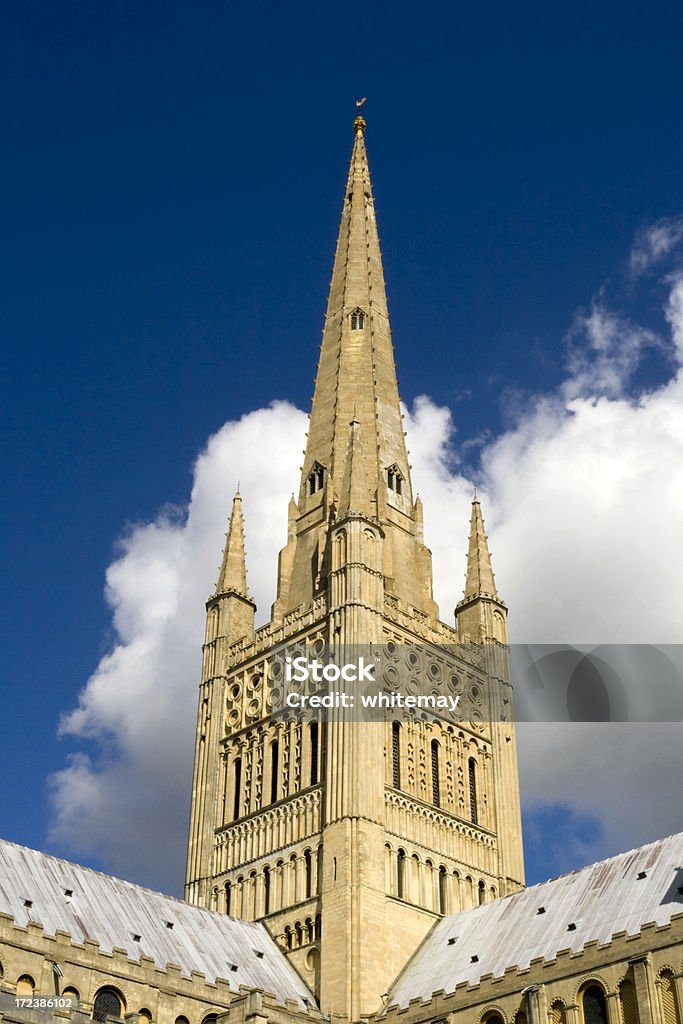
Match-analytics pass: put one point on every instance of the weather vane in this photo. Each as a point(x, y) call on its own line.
point(359, 123)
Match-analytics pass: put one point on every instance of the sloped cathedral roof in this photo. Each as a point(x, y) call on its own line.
point(621, 894)
point(90, 905)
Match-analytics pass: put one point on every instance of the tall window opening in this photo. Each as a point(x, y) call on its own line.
point(436, 799)
point(228, 897)
point(482, 893)
point(274, 755)
point(238, 787)
point(396, 755)
point(472, 769)
point(394, 480)
point(357, 320)
point(401, 874)
point(308, 864)
point(443, 882)
point(316, 479)
point(266, 890)
point(314, 753)
point(319, 873)
point(594, 1006)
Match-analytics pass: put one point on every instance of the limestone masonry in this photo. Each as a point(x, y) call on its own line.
point(344, 869)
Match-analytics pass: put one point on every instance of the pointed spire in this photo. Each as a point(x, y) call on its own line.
point(233, 574)
point(479, 580)
point(355, 494)
point(356, 360)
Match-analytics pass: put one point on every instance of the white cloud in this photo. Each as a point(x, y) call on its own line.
point(604, 351)
point(654, 243)
point(582, 498)
point(140, 703)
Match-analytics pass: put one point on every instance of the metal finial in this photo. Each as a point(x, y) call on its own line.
point(359, 123)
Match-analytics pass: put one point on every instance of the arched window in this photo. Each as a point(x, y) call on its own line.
point(482, 893)
point(210, 1018)
point(108, 1003)
point(74, 995)
point(299, 933)
point(670, 1010)
point(228, 897)
point(266, 890)
point(289, 941)
point(314, 752)
point(274, 755)
point(357, 320)
point(308, 870)
point(494, 1018)
point(443, 896)
point(182, 1019)
point(594, 1006)
point(145, 1015)
point(26, 986)
point(436, 799)
point(396, 755)
point(238, 787)
point(319, 873)
point(628, 1004)
point(556, 1013)
point(395, 480)
point(316, 478)
point(401, 874)
point(472, 772)
point(318, 926)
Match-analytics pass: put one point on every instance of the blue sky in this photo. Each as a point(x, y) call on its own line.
point(172, 178)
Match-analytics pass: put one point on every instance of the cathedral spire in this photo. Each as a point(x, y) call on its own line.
point(233, 573)
point(479, 578)
point(356, 367)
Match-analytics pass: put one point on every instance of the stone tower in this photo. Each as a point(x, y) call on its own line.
point(349, 839)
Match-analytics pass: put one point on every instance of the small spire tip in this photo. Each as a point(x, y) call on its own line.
point(359, 123)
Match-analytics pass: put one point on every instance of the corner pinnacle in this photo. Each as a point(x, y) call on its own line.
point(233, 573)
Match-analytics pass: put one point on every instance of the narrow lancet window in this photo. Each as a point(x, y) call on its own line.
point(308, 866)
point(401, 874)
point(238, 786)
point(274, 755)
point(314, 753)
point(443, 882)
point(474, 814)
point(436, 797)
point(396, 755)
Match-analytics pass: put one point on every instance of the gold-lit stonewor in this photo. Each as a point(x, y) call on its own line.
point(303, 825)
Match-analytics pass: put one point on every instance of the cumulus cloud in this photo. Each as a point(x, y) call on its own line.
point(140, 703)
point(604, 351)
point(654, 243)
point(582, 496)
